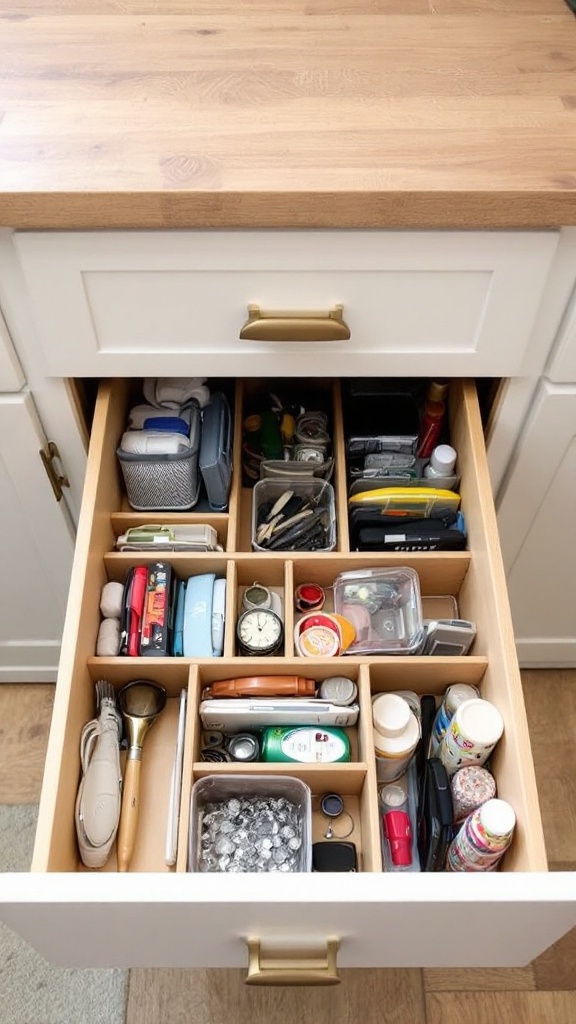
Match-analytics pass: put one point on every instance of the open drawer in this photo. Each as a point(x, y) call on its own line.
point(155, 916)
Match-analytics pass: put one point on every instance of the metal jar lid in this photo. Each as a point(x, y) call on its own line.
point(244, 747)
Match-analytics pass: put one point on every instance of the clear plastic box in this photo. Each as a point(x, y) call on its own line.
point(385, 608)
point(220, 788)
point(321, 492)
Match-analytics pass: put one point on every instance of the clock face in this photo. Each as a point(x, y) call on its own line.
point(260, 629)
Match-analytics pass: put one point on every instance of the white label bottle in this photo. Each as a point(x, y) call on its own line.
point(396, 734)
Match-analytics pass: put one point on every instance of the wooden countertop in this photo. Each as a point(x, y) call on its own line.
point(400, 113)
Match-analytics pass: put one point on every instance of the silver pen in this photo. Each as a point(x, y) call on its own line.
point(176, 788)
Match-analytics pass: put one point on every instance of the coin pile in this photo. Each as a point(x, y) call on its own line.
point(250, 834)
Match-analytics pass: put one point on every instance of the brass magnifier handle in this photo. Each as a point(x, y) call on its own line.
point(129, 817)
point(293, 971)
point(295, 325)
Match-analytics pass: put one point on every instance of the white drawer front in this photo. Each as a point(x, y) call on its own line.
point(381, 921)
point(127, 303)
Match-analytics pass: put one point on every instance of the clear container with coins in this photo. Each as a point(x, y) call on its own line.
point(245, 823)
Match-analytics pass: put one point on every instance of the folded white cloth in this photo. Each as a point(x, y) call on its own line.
point(153, 442)
point(176, 392)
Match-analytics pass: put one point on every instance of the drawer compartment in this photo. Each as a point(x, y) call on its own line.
point(157, 916)
point(421, 303)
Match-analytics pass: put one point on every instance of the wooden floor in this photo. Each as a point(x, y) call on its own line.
point(543, 993)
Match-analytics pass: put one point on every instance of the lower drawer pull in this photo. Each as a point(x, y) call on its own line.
point(296, 971)
point(291, 325)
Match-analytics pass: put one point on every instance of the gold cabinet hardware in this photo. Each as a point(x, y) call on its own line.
point(290, 325)
point(297, 971)
point(49, 454)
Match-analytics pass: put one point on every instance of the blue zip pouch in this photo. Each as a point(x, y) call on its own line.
point(169, 424)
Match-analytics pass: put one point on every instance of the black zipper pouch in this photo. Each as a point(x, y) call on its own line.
point(331, 856)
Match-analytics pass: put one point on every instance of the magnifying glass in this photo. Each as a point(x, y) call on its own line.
point(140, 703)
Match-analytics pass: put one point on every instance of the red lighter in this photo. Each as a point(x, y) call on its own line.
point(398, 832)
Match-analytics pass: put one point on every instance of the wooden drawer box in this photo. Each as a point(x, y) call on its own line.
point(156, 916)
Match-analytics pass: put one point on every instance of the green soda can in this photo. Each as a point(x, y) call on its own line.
point(307, 744)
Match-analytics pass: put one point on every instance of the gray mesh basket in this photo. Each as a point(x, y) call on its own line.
point(169, 483)
point(164, 483)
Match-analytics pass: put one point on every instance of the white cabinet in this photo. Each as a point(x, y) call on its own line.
point(36, 531)
point(533, 463)
point(173, 303)
point(537, 519)
point(36, 549)
point(562, 366)
point(11, 374)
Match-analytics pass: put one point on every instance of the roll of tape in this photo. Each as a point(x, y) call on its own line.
point(212, 739)
point(256, 596)
point(309, 597)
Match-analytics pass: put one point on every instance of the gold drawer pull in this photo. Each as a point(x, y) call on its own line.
point(50, 455)
point(290, 325)
point(297, 971)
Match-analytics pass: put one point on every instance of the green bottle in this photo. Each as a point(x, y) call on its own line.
point(271, 444)
point(307, 744)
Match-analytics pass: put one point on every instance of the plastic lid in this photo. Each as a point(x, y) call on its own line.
point(443, 459)
point(244, 747)
point(458, 693)
point(394, 796)
point(498, 817)
point(480, 721)
point(391, 714)
point(318, 642)
point(396, 729)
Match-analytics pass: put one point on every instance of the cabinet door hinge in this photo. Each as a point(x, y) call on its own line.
point(49, 455)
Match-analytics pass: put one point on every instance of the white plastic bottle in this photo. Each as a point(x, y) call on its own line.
point(454, 696)
point(442, 462)
point(483, 839)
point(396, 734)
point(474, 731)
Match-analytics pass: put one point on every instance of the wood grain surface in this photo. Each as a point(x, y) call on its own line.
point(550, 699)
point(138, 113)
point(503, 1007)
point(216, 996)
point(25, 714)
